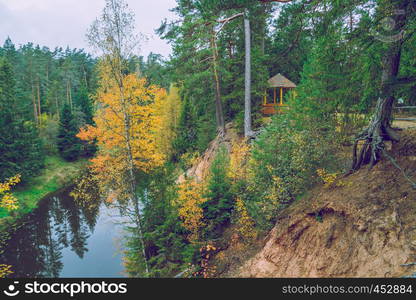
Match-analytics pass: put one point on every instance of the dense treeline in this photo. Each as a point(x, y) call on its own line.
point(335, 52)
point(151, 118)
point(46, 97)
point(41, 87)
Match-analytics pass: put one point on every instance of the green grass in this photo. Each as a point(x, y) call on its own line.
point(57, 174)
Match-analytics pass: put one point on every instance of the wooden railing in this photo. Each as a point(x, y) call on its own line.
point(405, 107)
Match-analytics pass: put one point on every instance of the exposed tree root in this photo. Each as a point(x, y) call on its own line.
point(374, 137)
point(373, 148)
point(394, 162)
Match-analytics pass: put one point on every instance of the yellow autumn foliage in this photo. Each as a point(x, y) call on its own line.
point(245, 224)
point(190, 198)
point(331, 179)
point(169, 112)
point(127, 122)
point(238, 156)
point(7, 200)
point(5, 270)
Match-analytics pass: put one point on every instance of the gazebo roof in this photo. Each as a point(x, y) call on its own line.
point(281, 81)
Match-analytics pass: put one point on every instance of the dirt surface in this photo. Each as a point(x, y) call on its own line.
point(201, 168)
point(362, 226)
point(404, 124)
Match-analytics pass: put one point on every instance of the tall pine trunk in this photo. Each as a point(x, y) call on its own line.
point(247, 78)
point(38, 97)
point(35, 109)
point(218, 101)
point(379, 129)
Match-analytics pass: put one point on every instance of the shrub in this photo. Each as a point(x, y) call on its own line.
point(245, 224)
point(283, 164)
point(190, 211)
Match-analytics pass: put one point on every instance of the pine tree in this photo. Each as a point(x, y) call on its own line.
point(85, 107)
point(83, 102)
point(186, 139)
point(20, 147)
point(69, 145)
point(217, 209)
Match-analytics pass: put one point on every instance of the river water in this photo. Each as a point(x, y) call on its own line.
point(63, 239)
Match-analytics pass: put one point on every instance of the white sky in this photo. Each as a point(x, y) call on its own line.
point(64, 23)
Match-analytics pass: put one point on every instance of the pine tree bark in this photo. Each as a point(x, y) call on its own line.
point(58, 111)
point(218, 101)
point(247, 81)
point(67, 92)
point(379, 131)
point(70, 95)
point(35, 109)
point(38, 96)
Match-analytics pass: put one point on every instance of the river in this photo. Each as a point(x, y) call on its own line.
point(63, 239)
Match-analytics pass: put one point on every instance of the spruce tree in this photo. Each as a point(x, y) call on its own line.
point(69, 145)
point(186, 131)
point(217, 210)
point(85, 107)
point(84, 104)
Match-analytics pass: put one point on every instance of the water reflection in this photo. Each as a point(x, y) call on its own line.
point(47, 239)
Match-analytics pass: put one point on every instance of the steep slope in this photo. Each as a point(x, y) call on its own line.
point(366, 227)
point(200, 168)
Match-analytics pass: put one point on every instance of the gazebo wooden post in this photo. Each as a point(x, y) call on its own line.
point(281, 96)
point(274, 95)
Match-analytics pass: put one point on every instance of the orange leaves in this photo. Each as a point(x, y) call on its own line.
point(88, 133)
point(126, 126)
point(206, 252)
point(101, 163)
point(129, 116)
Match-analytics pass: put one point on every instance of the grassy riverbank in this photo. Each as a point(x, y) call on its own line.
point(57, 174)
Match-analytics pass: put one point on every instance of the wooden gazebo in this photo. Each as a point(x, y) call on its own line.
point(279, 85)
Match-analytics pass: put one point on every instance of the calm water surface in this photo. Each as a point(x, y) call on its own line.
point(63, 239)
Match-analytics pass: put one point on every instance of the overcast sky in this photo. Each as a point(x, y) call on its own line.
point(64, 23)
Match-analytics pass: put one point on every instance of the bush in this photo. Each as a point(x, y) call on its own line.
point(283, 164)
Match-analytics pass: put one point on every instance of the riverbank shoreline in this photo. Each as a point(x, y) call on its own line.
point(58, 174)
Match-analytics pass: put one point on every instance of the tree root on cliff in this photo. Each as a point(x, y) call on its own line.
point(373, 148)
point(374, 137)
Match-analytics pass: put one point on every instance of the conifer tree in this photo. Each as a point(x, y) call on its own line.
point(69, 145)
point(20, 148)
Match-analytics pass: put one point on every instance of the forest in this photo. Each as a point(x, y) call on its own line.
point(266, 111)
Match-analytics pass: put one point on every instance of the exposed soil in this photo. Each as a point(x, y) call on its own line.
point(201, 168)
point(362, 226)
point(404, 124)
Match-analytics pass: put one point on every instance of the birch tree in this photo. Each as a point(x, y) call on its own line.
point(114, 36)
